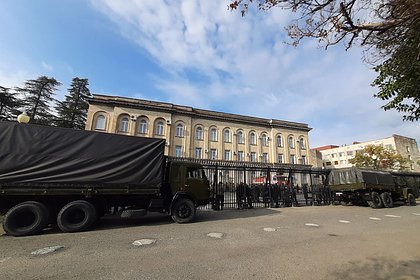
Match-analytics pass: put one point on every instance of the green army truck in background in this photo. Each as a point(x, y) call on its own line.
point(71, 178)
point(374, 187)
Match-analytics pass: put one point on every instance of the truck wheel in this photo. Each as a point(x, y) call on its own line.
point(26, 218)
point(376, 201)
point(78, 215)
point(387, 200)
point(183, 211)
point(411, 200)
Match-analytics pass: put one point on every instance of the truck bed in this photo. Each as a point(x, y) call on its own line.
point(51, 159)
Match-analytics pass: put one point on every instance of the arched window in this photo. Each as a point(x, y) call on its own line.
point(179, 130)
point(123, 125)
point(159, 128)
point(302, 143)
point(240, 137)
point(291, 142)
point(199, 133)
point(100, 122)
point(213, 134)
point(279, 141)
point(253, 138)
point(143, 127)
point(264, 140)
point(226, 136)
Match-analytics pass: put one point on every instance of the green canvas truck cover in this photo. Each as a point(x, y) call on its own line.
point(359, 178)
point(42, 154)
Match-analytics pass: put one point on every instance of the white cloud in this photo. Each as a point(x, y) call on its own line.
point(13, 79)
point(46, 66)
point(222, 61)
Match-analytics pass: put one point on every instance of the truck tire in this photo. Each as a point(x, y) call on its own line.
point(26, 218)
point(183, 211)
point(78, 215)
point(411, 200)
point(375, 201)
point(387, 200)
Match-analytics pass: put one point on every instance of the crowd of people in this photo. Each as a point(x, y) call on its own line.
point(271, 195)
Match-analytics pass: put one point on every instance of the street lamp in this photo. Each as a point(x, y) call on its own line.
point(23, 118)
point(375, 161)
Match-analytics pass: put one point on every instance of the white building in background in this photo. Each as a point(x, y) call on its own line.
point(339, 156)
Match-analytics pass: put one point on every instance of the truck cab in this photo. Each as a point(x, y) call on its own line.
point(188, 187)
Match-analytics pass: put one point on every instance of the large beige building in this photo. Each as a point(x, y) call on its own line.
point(339, 156)
point(197, 133)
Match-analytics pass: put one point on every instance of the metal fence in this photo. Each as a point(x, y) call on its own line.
point(242, 185)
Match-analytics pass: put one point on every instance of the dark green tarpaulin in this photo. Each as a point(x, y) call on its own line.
point(41, 154)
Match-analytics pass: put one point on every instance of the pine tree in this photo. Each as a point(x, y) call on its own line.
point(9, 104)
point(38, 99)
point(72, 111)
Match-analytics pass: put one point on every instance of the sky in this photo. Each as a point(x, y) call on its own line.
point(199, 54)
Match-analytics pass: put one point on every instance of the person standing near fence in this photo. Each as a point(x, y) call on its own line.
point(275, 194)
point(240, 195)
point(294, 197)
point(305, 193)
point(220, 196)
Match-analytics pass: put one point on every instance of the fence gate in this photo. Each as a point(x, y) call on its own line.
point(244, 185)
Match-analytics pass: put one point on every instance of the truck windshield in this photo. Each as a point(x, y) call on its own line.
point(196, 173)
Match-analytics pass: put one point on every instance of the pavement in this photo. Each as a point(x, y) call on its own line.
point(315, 242)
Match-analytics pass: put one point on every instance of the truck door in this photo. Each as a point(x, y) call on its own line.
point(197, 183)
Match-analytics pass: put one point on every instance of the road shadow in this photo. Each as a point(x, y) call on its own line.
point(155, 219)
point(211, 215)
point(381, 268)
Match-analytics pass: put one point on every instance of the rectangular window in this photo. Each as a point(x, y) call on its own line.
point(280, 158)
point(265, 157)
point(178, 151)
point(253, 157)
point(226, 155)
point(349, 153)
point(241, 156)
point(341, 154)
point(408, 149)
point(213, 154)
point(342, 162)
point(292, 159)
point(333, 155)
point(303, 160)
point(198, 153)
point(336, 162)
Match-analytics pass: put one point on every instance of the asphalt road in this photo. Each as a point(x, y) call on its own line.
point(324, 242)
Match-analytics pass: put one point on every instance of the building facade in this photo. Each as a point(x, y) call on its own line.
point(339, 156)
point(202, 134)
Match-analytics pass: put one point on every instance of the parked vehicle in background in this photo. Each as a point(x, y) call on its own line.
point(71, 178)
point(374, 187)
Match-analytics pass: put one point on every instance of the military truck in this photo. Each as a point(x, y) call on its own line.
point(373, 187)
point(71, 178)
